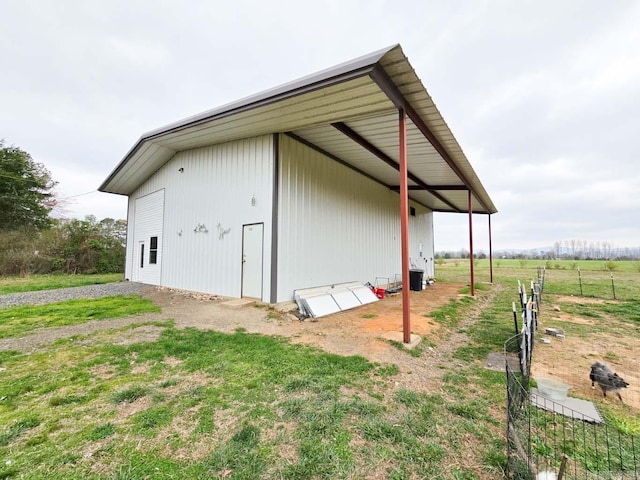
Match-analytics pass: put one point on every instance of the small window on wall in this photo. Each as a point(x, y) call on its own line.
point(153, 250)
point(412, 211)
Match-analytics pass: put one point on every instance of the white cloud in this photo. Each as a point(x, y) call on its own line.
point(137, 52)
point(543, 96)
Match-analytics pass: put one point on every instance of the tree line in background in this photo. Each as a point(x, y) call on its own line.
point(31, 241)
point(589, 250)
point(565, 250)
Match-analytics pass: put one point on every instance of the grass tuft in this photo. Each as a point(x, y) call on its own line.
point(129, 394)
point(68, 400)
point(102, 431)
point(17, 429)
point(239, 457)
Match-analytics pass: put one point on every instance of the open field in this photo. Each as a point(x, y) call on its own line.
point(149, 400)
point(562, 275)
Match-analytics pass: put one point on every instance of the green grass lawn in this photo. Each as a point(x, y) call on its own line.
point(18, 321)
point(50, 282)
point(202, 404)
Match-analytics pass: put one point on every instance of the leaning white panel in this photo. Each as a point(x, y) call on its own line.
point(364, 294)
point(346, 299)
point(325, 300)
point(322, 305)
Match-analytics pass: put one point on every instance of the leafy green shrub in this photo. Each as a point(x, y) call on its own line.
point(73, 247)
point(16, 252)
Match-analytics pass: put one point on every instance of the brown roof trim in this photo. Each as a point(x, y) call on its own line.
point(382, 79)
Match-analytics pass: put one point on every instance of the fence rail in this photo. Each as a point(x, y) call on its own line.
point(555, 442)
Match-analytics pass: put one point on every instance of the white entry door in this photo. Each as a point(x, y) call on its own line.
point(252, 260)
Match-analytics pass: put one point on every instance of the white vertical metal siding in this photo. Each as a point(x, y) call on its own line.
point(336, 225)
point(215, 187)
point(421, 232)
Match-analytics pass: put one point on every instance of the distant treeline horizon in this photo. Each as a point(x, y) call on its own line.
point(561, 250)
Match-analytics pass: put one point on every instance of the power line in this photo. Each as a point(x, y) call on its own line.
point(79, 194)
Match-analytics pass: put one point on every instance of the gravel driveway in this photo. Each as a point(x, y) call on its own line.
point(42, 297)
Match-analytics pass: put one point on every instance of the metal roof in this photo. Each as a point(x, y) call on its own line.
point(349, 112)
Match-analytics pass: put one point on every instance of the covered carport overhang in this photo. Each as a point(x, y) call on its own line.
point(371, 114)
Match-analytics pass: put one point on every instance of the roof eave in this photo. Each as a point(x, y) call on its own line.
point(340, 73)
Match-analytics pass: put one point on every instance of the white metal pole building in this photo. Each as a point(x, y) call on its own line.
point(299, 186)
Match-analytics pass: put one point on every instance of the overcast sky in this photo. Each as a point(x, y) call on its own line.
point(543, 96)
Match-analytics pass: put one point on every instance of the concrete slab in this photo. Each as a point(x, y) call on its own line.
point(496, 361)
point(399, 337)
point(238, 302)
point(571, 407)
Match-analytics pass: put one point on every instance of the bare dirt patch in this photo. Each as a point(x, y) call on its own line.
point(127, 409)
point(140, 368)
point(354, 332)
point(358, 331)
point(172, 361)
point(144, 333)
point(185, 385)
point(583, 300)
point(103, 372)
point(570, 360)
point(565, 317)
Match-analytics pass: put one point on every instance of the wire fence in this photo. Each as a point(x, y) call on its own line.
point(603, 284)
point(548, 440)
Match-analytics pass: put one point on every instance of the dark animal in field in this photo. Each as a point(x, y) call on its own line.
point(606, 379)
